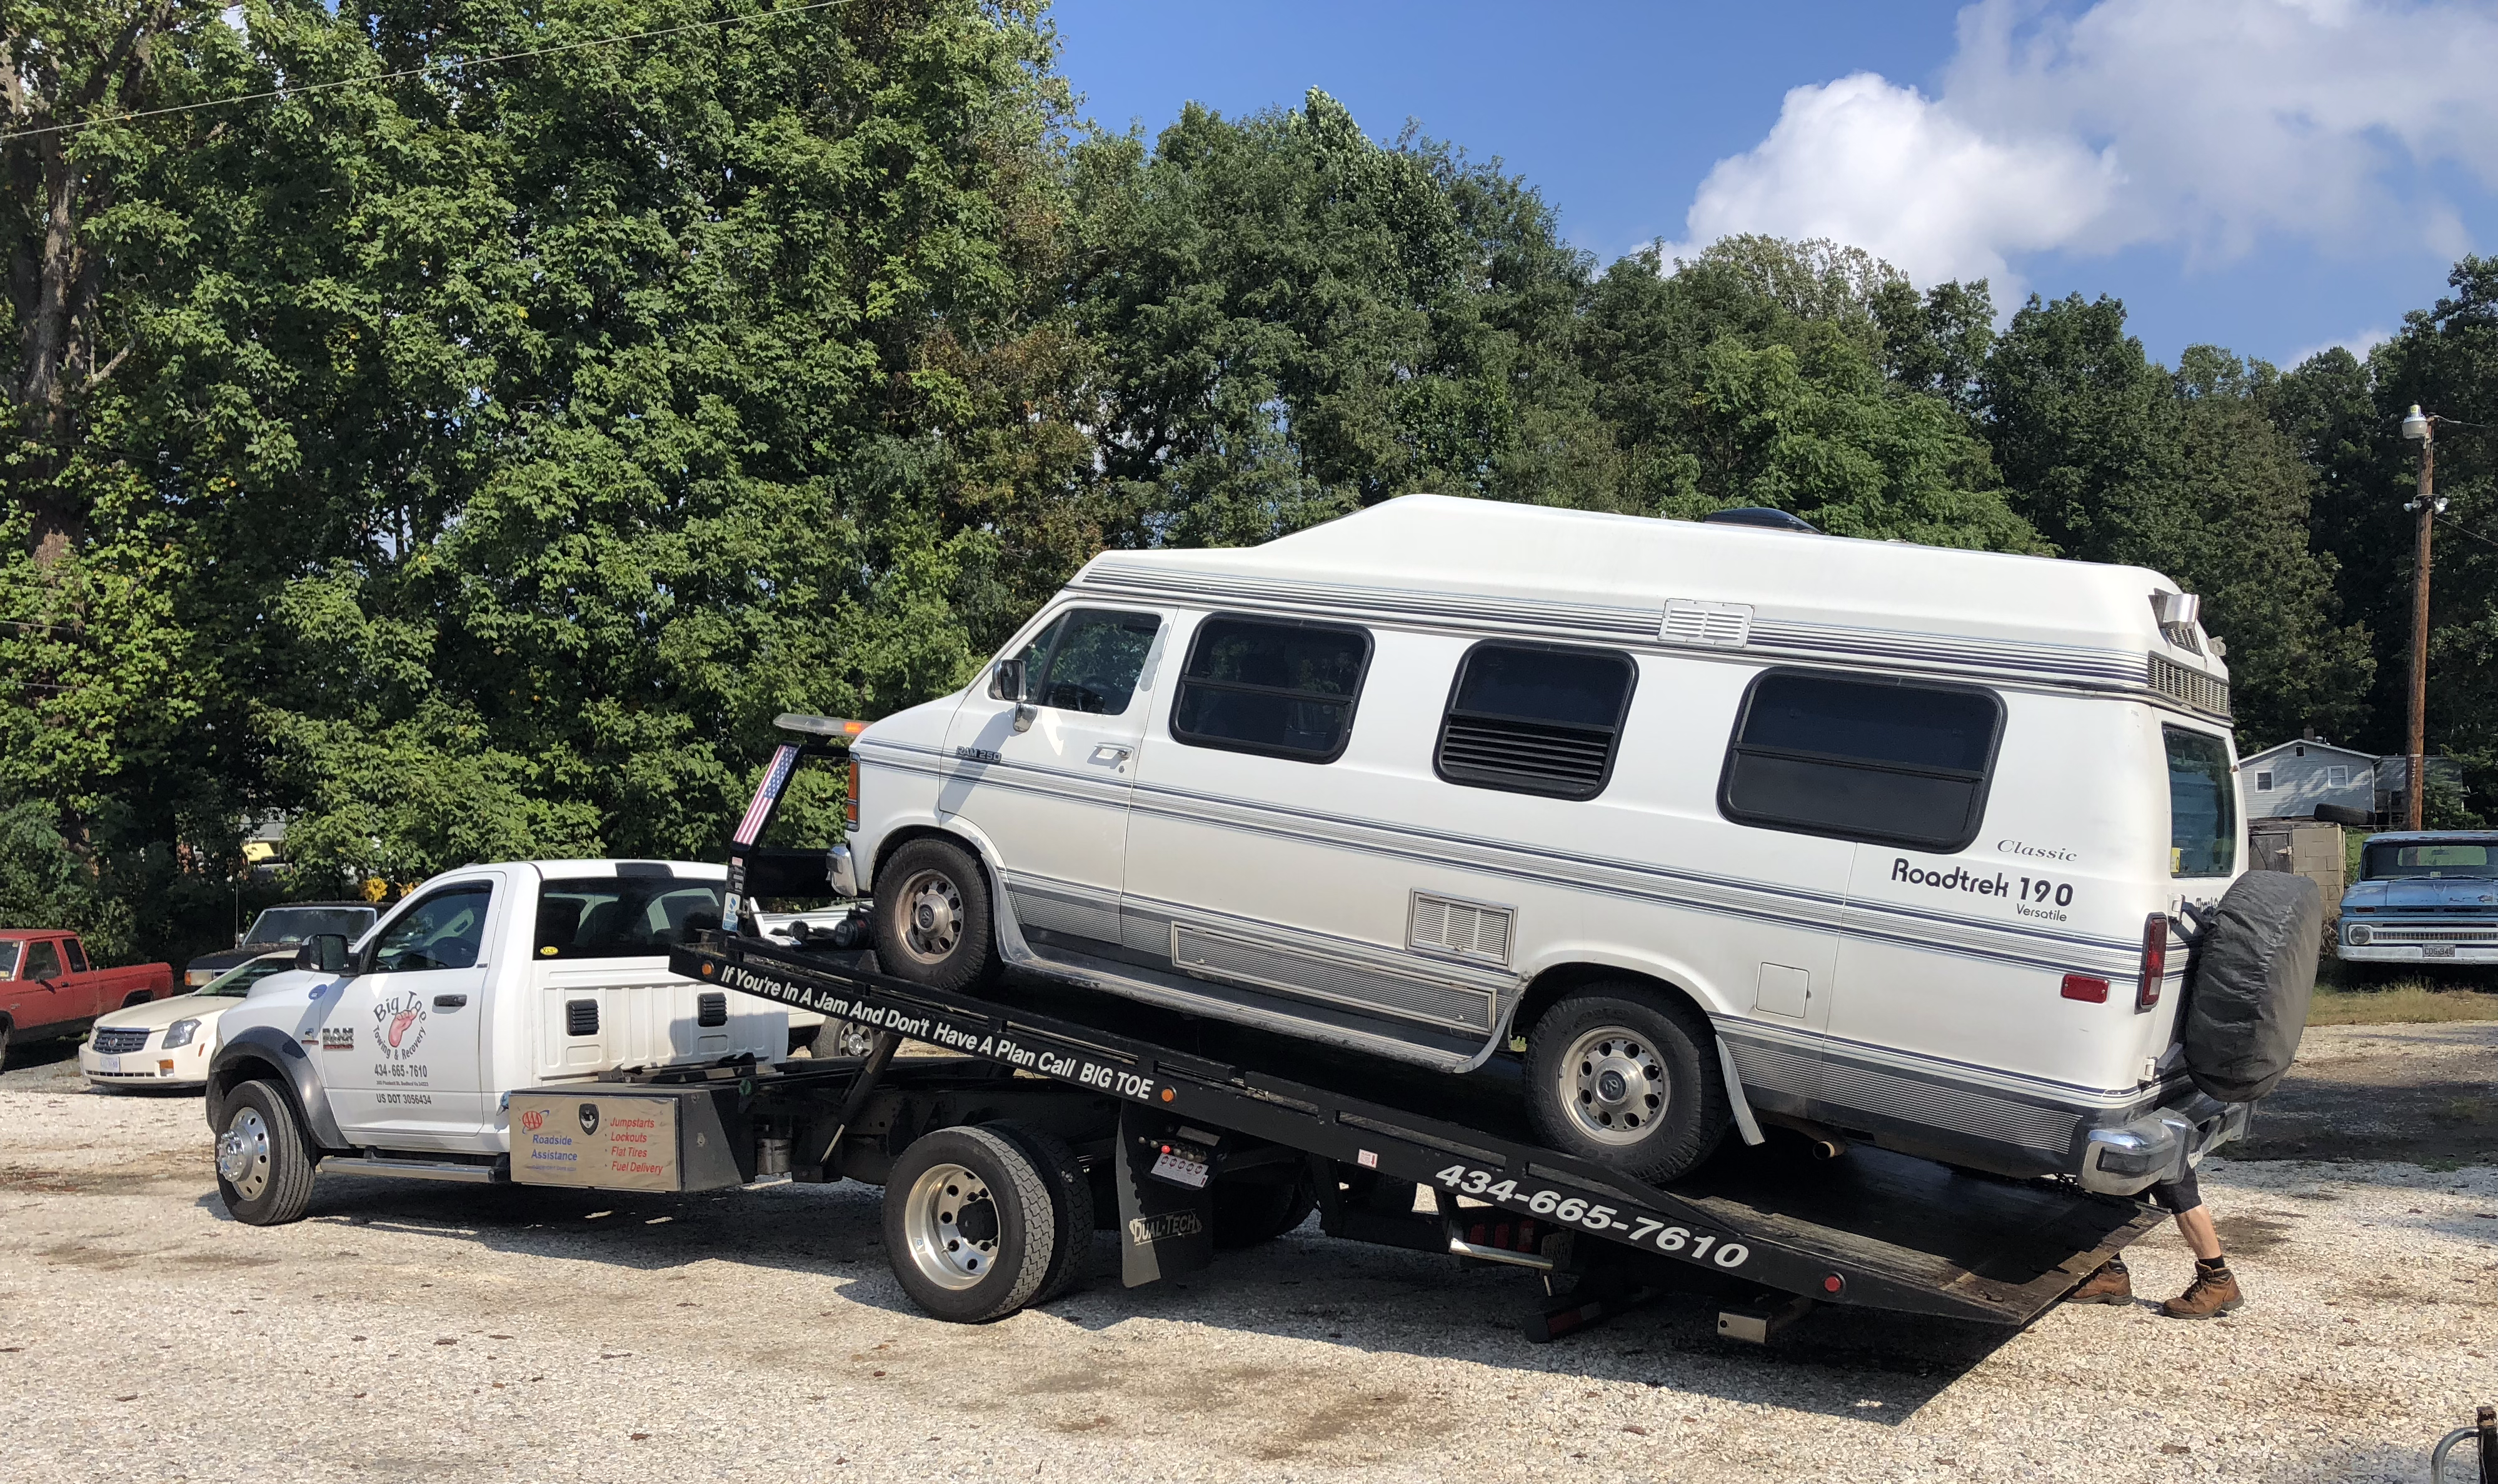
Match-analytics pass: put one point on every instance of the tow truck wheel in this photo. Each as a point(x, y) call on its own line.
point(263, 1173)
point(969, 1226)
point(1619, 1076)
point(932, 917)
point(1070, 1204)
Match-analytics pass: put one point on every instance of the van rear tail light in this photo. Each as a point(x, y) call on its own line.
point(2083, 987)
point(849, 807)
point(2154, 960)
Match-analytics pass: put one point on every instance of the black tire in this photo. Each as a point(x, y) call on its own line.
point(1622, 1076)
point(4, 1045)
point(264, 1169)
point(970, 1227)
point(932, 918)
point(1070, 1257)
point(1250, 1211)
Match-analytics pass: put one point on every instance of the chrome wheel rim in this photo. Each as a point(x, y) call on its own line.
point(1614, 1085)
point(852, 1040)
point(932, 917)
point(950, 1224)
point(242, 1154)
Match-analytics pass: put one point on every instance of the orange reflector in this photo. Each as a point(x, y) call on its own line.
point(1168, 1094)
point(2081, 986)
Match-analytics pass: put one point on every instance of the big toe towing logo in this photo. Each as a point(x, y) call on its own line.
point(398, 1026)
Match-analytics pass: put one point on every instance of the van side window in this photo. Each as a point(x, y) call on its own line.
point(1089, 660)
point(1535, 719)
point(2202, 804)
point(1283, 689)
point(1876, 761)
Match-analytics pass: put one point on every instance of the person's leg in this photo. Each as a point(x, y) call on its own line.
point(2215, 1289)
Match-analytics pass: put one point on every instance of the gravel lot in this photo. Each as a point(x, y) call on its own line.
point(410, 1331)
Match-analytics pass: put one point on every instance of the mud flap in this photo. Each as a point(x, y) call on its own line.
point(1165, 1230)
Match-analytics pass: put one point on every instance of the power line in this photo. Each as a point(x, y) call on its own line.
point(414, 72)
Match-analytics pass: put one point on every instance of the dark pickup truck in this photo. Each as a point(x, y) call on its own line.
point(279, 927)
point(49, 989)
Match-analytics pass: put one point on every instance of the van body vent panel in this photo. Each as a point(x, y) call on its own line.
point(2192, 689)
point(1716, 626)
point(710, 1007)
point(580, 1018)
point(1539, 756)
point(1467, 929)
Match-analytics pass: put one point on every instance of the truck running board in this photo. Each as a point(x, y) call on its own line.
point(414, 1169)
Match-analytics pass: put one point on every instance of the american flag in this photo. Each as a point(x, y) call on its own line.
point(751, 828)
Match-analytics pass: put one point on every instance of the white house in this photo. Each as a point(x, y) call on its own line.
point(2290, 780)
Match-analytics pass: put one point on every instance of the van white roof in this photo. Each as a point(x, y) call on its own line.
point(1433, 562)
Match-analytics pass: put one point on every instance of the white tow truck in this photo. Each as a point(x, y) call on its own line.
point(399, 1055)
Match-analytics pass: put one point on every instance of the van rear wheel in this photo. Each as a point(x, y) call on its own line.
point(1621, 1076)
point(933, 925)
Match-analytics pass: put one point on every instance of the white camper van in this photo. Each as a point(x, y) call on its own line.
point(1730, 825)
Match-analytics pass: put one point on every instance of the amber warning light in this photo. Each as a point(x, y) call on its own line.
point(836, 727)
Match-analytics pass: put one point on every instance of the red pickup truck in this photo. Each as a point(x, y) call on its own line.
point(49, 989)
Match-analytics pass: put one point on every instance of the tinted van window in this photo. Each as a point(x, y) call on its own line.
point(622, 916)
point(1262, 686)
point(1535, 719)
point(2202, 804)
point(1862, 760)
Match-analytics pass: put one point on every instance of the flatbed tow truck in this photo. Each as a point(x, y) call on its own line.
point(997, 1154)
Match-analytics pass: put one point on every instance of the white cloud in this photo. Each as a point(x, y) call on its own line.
point(2206, 125)
point(2358, 345)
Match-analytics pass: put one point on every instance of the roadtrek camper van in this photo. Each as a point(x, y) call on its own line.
point(1725, 825)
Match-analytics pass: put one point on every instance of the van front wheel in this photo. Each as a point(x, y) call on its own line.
point(932, 917)
point(1625, 1077)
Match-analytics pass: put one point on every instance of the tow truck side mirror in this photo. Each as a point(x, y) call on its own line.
point(322, 953)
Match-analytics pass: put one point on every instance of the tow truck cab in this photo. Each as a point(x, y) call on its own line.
point(483, 980)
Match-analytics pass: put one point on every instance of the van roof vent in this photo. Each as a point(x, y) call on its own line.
point(1468, 929)
point(2192, 689)
point(1718, 626)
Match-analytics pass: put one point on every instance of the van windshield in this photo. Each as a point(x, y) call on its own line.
point(2434, 861)
point(2202, 804)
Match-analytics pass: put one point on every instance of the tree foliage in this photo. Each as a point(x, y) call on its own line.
point(468, 460)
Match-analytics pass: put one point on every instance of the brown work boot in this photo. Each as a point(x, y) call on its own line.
point(2111, 1284)
point(2214, 1291)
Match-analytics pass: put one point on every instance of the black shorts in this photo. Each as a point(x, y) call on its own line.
point(2179, 1196)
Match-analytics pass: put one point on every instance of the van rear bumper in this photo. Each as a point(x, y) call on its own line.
point(2130, 1157)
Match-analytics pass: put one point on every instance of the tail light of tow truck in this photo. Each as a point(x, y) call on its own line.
point(2155, 961)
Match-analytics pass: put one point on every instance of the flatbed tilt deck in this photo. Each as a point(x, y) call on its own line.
point(1194, 1151)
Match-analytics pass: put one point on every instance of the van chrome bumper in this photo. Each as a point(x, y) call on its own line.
point(844, 873)
point(2163, 1145)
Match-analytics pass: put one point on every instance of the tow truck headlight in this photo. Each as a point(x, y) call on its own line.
point(2359, 935)
point(181, 1032)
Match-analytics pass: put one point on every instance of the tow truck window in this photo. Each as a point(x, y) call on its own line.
point(1285, 690)
point(2428, 863)
point(1862, 760)
point(1089, 660)
point(617, 916)
point(446, 930)
point(2202, 804)
point(1535, 719)
point(43, 960)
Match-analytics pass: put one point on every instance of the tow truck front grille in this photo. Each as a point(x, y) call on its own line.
point(114, 1040)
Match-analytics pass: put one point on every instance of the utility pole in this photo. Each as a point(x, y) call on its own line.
point(2421, 430)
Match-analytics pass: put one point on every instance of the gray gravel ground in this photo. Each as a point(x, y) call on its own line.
point(409, 1331)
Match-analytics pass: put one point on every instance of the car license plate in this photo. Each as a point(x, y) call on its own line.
point(2438, 950)
point(108, 1063)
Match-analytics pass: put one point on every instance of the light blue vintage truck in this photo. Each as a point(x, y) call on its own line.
point(2427, 896)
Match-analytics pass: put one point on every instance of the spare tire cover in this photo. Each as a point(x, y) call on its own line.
point(2253, 970)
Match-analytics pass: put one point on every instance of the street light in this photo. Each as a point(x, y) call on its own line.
point(2420, 429)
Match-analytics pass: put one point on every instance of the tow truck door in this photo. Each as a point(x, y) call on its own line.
point(401, 1042)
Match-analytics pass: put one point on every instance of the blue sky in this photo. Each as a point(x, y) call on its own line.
point(2272, 176)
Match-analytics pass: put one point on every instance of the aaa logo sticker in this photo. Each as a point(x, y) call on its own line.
point(398, 1026)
